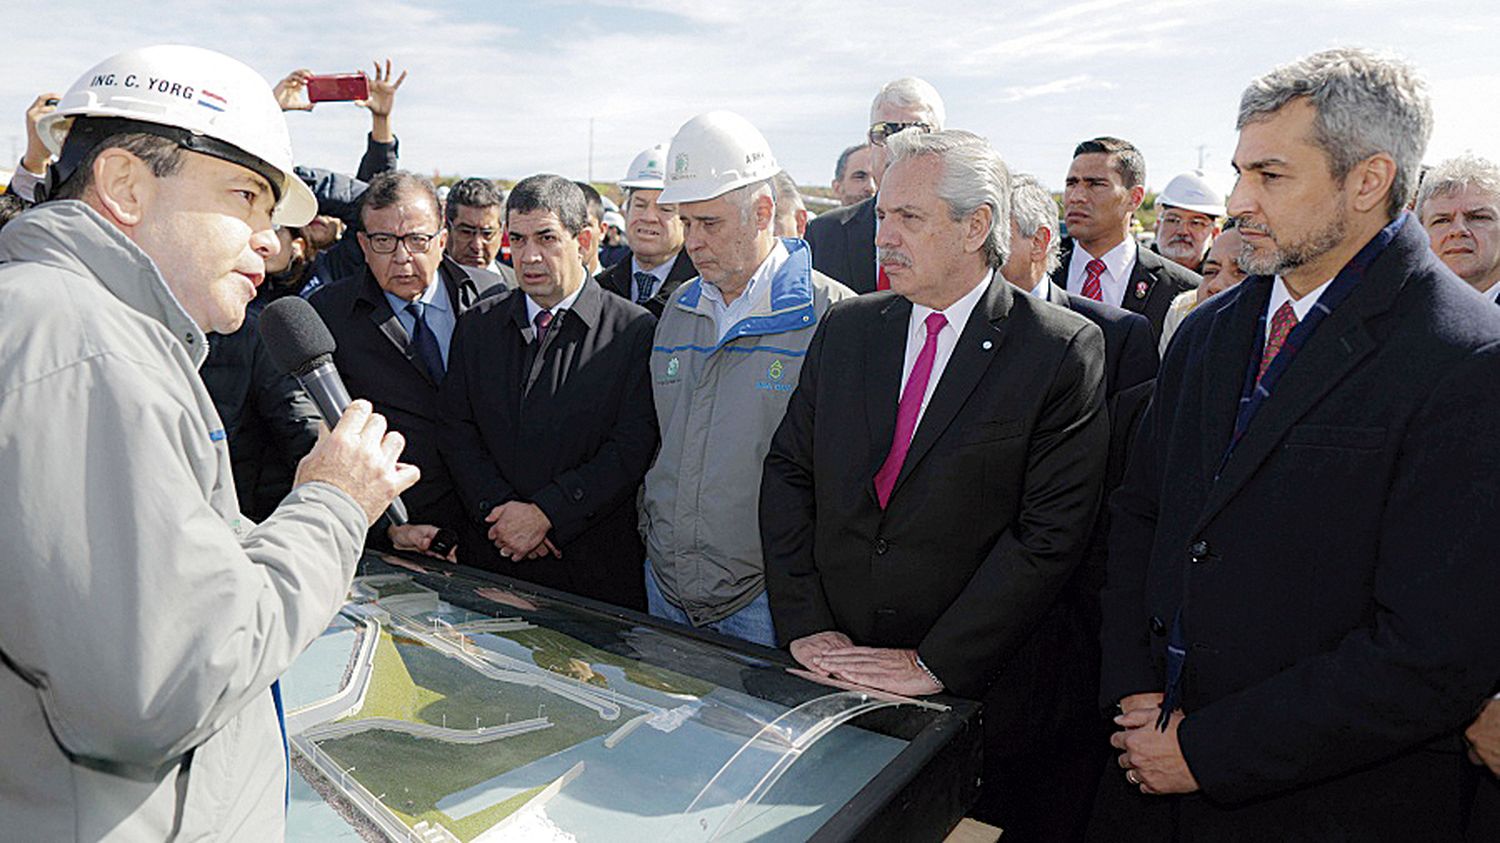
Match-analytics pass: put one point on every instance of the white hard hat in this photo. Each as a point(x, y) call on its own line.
point(613, 218)
point(645, 170)
point(1192, 192)
point(713, 154)
point(217, 106)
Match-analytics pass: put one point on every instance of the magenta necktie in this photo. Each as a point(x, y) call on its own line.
point(908, 410)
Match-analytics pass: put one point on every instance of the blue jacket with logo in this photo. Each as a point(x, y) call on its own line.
point(718, 402)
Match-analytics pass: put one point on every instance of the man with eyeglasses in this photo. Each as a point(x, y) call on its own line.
point(474, 230)
point(393, 327)
point(657, 264)
point(1189, 215)
point(843, 240)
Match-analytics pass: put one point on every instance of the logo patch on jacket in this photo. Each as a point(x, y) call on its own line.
point(774, 374)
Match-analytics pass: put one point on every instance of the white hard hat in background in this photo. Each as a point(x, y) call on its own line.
point(645, 171)
point(613, 218)
point(1192, 192)
point(221, 107)
point(713, 154)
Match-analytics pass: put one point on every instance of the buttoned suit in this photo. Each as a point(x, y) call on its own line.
point(1335, 576)
point(1154, 281)
point(377, 362)
point(567, 424)
point(989, 512)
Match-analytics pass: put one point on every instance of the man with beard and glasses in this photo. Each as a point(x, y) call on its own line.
point(1188, 216)
point(1301, 591)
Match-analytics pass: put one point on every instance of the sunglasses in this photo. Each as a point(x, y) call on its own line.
point(880, 131)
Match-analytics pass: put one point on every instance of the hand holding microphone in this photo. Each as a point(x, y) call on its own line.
point(358, 455)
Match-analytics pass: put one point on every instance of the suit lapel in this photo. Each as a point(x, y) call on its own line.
point(1232, 340)
point(1057, 295)
point(1338, 345)
point(886, 343)
point(387, 323)
point(1136, 296)
point(971, 358)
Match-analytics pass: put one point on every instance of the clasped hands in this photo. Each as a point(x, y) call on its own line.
point(519, 530)
point(1152, 758)
point(834, 654)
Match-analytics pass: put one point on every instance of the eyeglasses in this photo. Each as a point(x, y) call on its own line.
point(468, 232)
point(416, 243)
point(882, 130)
point(1197, 223)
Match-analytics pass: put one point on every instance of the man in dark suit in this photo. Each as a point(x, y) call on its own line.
point(1299, 613)
point(657, 265)
point(932, 485)
point(843, 240)
point(548, 420)
point(393, 326)
point(1104, 187)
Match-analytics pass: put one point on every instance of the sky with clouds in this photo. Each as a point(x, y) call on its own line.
point(506, 89)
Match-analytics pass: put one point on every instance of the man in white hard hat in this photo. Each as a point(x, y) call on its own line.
point(657, 265)
point(728, 350)
point(843, 240)
point(1189, 215)
point(143, 622)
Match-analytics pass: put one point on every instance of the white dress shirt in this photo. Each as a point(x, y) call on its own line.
point(957, 315)
point(1118, 263)
point(1301, 307)
point(1042, 289)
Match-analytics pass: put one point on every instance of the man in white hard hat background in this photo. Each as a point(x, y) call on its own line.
point(657, 265)
point(843, 240)
point(1189, 215)
point(144, 622)
point(728, 349)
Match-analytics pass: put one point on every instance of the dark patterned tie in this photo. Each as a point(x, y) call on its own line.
point(1281, 325)
point(645, 284)
point(543, 320)
point(424, 343)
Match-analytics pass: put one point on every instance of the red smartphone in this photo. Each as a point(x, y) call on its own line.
point(338, 87)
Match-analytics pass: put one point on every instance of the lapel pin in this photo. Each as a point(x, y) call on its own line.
point(1140, 289)
point(986, 345)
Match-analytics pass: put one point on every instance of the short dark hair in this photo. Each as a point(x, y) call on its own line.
point(162, 155)
point(471, 193)
point(593, 200)
point(1128, 161)
point(547, 192)
point(391, 187)
point(843, 162)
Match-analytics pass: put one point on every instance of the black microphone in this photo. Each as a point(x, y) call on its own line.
point(300, 345)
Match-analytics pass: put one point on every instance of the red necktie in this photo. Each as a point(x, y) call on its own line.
point(881, 281)
point(1281, 325)
point(1092, 271)
point(908, 410)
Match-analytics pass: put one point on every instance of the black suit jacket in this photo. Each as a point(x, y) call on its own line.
point(569, 426)
point(617, 279)
point(991, 507)
point(376, 362)
point(843, 245)
point(1337, 579)
point(1130, 354)
point(1154, 282)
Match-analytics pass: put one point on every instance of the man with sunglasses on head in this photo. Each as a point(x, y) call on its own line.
point(393, 327)
point(843, 240)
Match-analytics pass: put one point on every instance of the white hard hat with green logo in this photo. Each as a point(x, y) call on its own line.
point(713, 154)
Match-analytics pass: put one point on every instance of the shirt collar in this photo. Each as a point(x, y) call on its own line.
point(957, 313)
point(1117, 260)
point(532, 308)
point(767, 269)
point(434, 296)
point(1301, 307)
point(660, 272)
